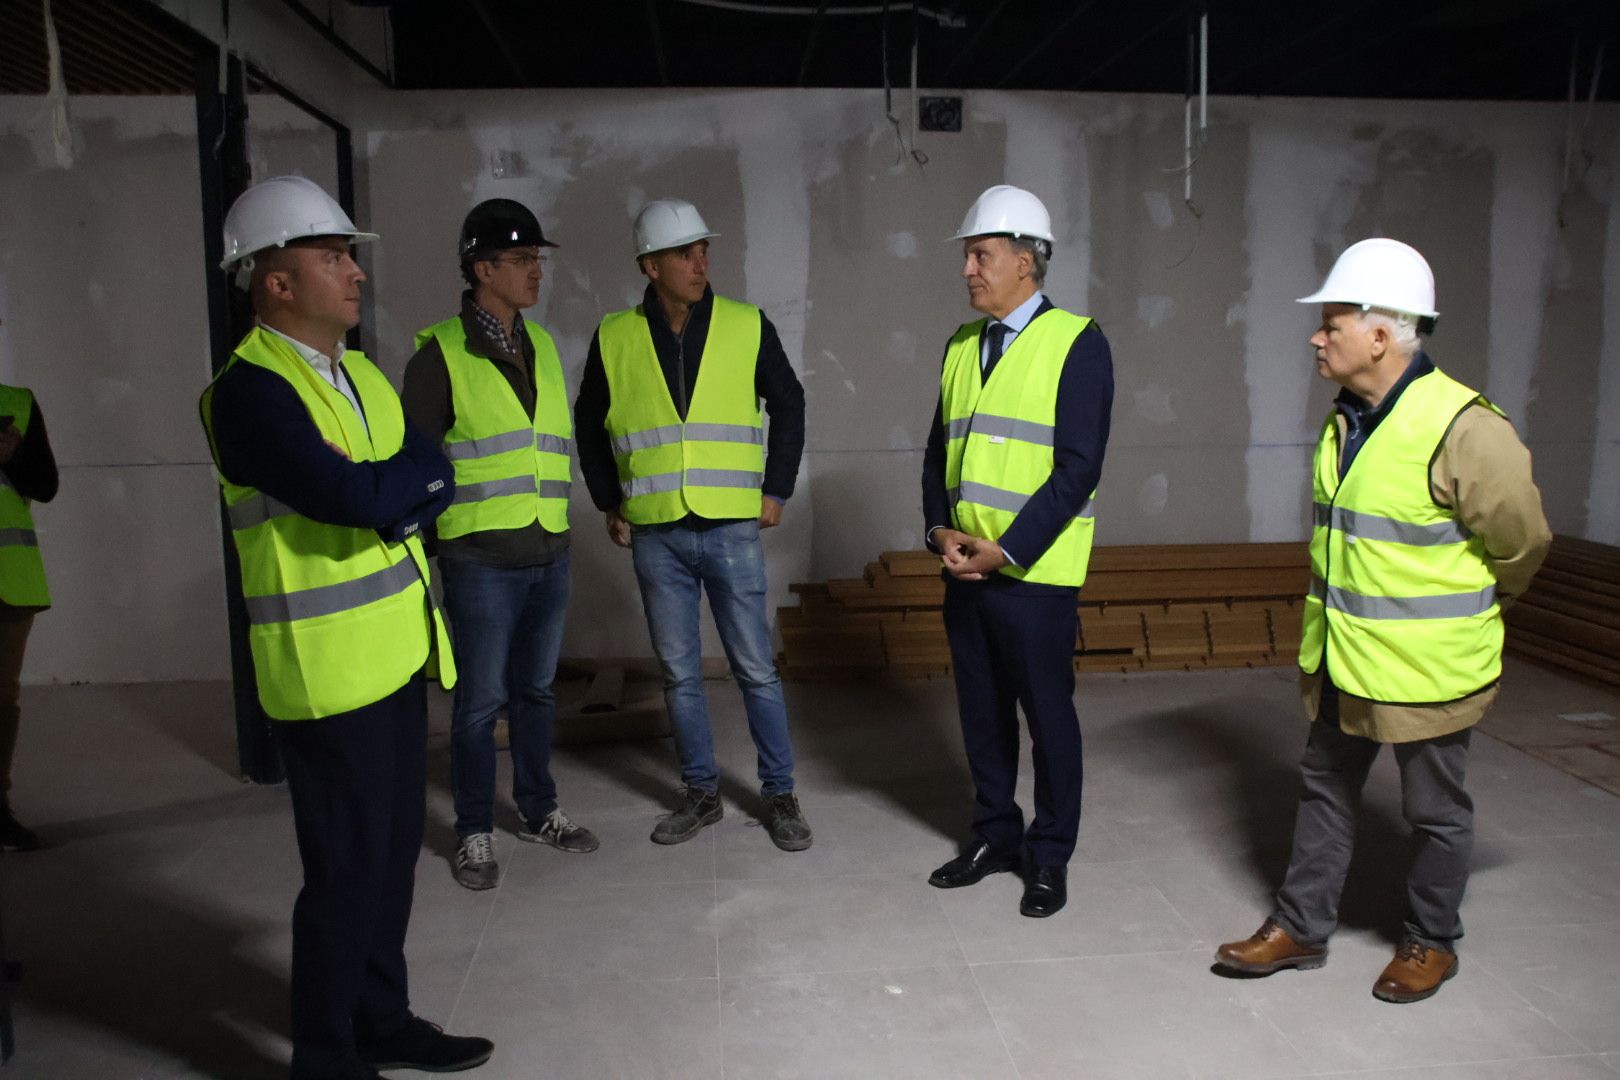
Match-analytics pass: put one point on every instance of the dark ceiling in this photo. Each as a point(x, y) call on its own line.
point(106, 48)
point(1478, 49)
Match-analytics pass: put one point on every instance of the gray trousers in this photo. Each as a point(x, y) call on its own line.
point(1434, 803)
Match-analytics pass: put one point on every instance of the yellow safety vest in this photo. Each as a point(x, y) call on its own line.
point(511, 471)
point(712, 463)
point(338, 618)
point(998, 438)
point(1402, 604)
point(22, 571)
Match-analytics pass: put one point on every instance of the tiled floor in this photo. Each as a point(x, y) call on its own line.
point(155, 931)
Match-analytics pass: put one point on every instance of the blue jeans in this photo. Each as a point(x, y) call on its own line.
point(673, 565)
point(507, 626)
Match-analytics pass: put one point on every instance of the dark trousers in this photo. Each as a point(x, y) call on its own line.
point(1014, 647)
point(1434, 804)
point(13, 643)
point(358, 784)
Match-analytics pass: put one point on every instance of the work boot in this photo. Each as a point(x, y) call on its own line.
point(1416, 973)
point(1269, 950)
point(695, 809)
point(476, 867)
point(13, 836)
point(785, 822)
point(558, 830)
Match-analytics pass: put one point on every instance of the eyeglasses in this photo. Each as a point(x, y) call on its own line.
point(524, 260)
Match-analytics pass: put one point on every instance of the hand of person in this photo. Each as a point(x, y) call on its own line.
point(953, 546)
point(980, 558)
point(770, 513)
point(10, 439)
point(618, 529)
point(338, 450)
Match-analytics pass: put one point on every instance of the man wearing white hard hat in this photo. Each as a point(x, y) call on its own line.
point(326, 485)
point(1427, 523)
point(673, 449)
point(1014, 458)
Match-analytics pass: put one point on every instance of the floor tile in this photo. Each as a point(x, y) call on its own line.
point(1113, 909)
point(1331, 1017)
point(630, 931)
point(581, 1028)
point(1570, 974)
point(922, 1023)
point(1159, 1015)
point(831, 924)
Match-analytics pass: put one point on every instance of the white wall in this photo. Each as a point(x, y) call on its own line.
point(840, 239)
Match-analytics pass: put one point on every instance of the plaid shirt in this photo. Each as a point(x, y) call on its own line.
point(506, 337)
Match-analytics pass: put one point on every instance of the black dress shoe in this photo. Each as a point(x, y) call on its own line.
point(422, 1045)
point(1046, 891)
point(971, 867)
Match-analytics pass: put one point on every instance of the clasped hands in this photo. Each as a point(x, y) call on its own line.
point(967, 557)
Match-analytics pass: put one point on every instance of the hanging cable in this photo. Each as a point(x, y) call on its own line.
point(888, 95)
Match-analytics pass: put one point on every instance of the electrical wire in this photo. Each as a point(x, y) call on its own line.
point(948, 19)
point(888, 94)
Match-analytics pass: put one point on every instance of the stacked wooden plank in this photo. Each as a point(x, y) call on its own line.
point(1570, 616)
point(1143, 607)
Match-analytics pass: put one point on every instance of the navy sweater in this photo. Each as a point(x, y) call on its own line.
point(266, 439)
point(1085, 401)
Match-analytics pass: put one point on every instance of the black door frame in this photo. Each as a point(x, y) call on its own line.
point(222, 119)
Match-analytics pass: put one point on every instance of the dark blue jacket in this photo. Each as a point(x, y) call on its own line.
point(1085, 400)
point(266, 439)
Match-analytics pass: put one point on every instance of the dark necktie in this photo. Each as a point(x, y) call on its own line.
point(998, 337)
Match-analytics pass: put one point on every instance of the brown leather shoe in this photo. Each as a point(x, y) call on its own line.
point(1416, 973)
point(1269, 950)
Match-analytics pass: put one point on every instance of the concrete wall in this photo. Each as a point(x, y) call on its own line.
point(102, 314)
point(839, 236)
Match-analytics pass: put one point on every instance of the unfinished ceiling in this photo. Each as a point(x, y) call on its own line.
point(1471, 49)
point(106, 48)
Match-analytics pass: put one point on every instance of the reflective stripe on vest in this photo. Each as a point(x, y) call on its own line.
point(338, 618)
point(22, 569)
point(1001, 498)
point(1402, 606)
point(511, 471)
point(999, 436)
point(331, 599)
point(1444, 606)
point(713, 463)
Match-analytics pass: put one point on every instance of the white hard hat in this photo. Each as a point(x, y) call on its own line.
point(277, 210)
point(1007, 211)
point(668, 223)
point(1380, 273)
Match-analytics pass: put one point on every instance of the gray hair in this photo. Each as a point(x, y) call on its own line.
point(1402, 328)
point(1039, 251)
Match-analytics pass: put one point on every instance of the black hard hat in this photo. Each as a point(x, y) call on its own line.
point(497, 224)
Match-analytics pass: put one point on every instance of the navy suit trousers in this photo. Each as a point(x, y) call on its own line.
point(1013, 646)
point(358, 784)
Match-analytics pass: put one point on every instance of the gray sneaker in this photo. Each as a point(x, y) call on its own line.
point(785, 822)
point(475, 866)
point(558, 830)
point(695, 809)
